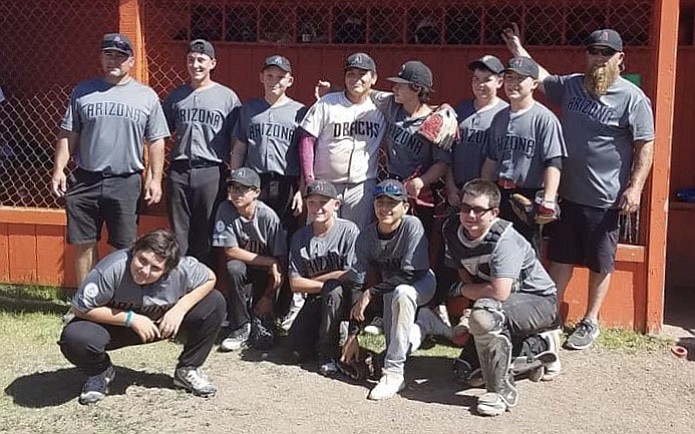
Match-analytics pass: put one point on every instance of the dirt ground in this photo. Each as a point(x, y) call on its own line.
point(600, 390)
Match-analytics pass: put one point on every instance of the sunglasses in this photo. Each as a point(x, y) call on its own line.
point(388, 189)
point(477, 210)
point(606, 52)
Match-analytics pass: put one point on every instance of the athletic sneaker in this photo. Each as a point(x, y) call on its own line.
point(97, 386)
point(390, 384)
point(583, 336)
point(195, 381)
point(552, 369)
point(432, 325)
point(328, 367)
point(376, 327)
point(236, 339)
point(494, 404)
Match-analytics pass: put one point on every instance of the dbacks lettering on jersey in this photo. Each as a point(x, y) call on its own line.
point(101, 109)
point(357, 129)
point(322, 264)
point(283, 132)
point(595, 110)
point(403, 138)
point(201, 115)
point(516, 143)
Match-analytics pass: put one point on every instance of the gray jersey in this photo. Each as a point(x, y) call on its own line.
point(501, 253)
point(111, 284)
point(270, 133)
point(407, 151)
point(312, 255)
point(522, 142)
point(203, 120)
point(406, 250)
point(262, 234)
point(468, 154)
point(600, 137)
point(112, 122)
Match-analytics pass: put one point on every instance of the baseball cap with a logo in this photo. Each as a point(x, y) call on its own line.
point(391, 188)
point(524, 66)
point(487, 62)
point(322, 188)
point(279, 61)
point(606, 37)
point(203, 47)
point(117, 42)
point(414, 72)
point(361, 61)
point(244, 176)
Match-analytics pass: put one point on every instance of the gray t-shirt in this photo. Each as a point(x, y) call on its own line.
point(406, 250)
point(522, 142)
point(600, 136)
point(406, 150)
point(112, 122)
point(111, 284)
point(312, 255)
point(262, 234)
point(501, 253)
point(270, 133)
point(468, 154)
point(203, 120)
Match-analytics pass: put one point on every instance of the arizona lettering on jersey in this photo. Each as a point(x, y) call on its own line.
point(110, 108)
point(200, 115)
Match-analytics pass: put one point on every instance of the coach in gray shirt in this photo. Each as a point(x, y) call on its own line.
point(105, 125)
point(609, 131)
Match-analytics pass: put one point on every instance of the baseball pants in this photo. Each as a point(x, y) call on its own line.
point(246, 286)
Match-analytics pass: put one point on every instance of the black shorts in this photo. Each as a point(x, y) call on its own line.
point(585, 236)
point(93, 199)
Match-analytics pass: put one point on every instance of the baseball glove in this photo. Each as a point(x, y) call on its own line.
point(262, 336)
point(532, 213)
point(441, 127)
point(366, 367)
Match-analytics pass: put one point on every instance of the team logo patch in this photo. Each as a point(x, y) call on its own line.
point(219, 226)
point(91, 290)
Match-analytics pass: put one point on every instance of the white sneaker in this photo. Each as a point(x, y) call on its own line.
point(195, 381)
point(376, 327)
point(236, 339)
point(431, 324)
point(295, 306)
point(554, 368)
point(390, 384)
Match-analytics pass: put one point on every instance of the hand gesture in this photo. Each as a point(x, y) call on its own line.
point(145, 328)
point(512, 38)
point(170, 323)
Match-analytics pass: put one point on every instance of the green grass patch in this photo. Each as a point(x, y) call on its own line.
point(36, 293)
point(628, 340)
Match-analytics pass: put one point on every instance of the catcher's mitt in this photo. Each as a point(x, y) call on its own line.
point(367, 367)
point(262, 336)
point(441, 127)
point(533, 213)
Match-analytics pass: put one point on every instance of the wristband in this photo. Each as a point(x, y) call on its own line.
point(129, 318)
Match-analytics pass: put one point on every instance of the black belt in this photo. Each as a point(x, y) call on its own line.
point(101, 174)
point(193, 164)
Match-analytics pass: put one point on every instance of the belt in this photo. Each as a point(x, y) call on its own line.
point(104, 173)
point(506, 184)
point(194, 164)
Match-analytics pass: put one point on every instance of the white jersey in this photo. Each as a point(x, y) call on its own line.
point(348, 137)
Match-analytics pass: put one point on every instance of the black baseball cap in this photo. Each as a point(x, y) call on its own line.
point(361, 61)
point(414, 72)
point(391, 188)
point(117, 42)
point(244, 176)
point(487, 62)
point(279, 61)
point(203, 47)
point(523, 65)
point(322, 188)
point(607, 38)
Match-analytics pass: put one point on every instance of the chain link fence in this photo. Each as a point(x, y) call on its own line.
point(47, 46)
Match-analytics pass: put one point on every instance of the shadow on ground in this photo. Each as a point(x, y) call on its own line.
point(54, 388)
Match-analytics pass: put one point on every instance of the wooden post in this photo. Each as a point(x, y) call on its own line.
point(664, 48)
point(130, 24)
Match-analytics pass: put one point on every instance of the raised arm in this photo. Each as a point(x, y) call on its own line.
point(512, 38)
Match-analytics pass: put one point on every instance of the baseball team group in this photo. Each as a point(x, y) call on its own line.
point(288, 204)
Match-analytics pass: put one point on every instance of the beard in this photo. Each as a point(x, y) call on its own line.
point(598, 79)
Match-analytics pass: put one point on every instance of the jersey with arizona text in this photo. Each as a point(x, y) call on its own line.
point(521, 142)
point(313, 255)
point(469, 153)
point(270, 133)
point(348, 138)
point(203, 120)
point(110, 284)
point(600, 135)
point(405, 249)
point(408, 153)
point(112, 122)
point(262, 234)
point(501, 252)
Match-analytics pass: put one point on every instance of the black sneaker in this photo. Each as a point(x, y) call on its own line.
point(97, 386)
point(328, 367)
point(583, 336)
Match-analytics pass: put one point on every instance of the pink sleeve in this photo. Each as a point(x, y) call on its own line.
point(306, 156)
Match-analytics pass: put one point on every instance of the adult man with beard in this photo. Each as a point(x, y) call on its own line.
point(608, 126)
